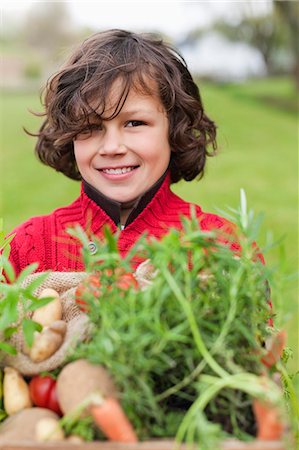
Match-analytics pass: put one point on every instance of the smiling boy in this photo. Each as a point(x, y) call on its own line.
point(125, 117)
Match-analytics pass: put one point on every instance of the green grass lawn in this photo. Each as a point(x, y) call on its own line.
point(258, 143)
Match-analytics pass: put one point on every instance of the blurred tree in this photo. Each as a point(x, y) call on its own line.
point(258, 32)
point(274, 34)
point(47, 27)
point(264, 33)
point(194, 35)
point(288, 11)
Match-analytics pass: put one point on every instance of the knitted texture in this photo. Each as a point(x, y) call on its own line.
point(45, 240)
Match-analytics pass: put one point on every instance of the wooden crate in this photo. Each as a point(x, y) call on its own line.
point(229, 444)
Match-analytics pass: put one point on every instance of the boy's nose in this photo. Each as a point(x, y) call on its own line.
point(111, 143)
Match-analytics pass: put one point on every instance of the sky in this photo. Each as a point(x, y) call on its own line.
point(171, 17)
point(175, 18)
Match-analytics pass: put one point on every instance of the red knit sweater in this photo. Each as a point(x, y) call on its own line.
point(44, 239)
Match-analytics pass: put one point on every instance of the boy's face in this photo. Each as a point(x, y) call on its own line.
point(125, 156)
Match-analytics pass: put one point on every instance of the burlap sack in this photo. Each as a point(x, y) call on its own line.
point(77, 324)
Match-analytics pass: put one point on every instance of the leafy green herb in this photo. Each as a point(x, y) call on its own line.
point(185, 352)
point(82, 427)
point(17, 301)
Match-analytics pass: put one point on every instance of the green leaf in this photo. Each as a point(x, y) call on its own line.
point(40, 278)
point(8, 332)
point(243, 205)
point(4, 289)
point(8, 268)
point(3, 415)
point(4, 240)
point(9, 309)
point(29, 327)
point(27, 271)
point(38, 303)
point(78, 233)
point(8, 348)
point(111, 240)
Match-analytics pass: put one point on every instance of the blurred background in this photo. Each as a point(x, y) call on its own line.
point(223, 41)
point(244, 56)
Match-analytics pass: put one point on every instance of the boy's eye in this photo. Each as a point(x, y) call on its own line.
point(134, 123)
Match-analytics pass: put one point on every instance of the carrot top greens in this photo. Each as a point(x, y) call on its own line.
point(185, 350)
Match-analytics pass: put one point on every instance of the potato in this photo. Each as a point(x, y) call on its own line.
point(75, 439)
point(48, 341)
point(15, 391)
point(78, 380)
point(48, 429)
point(46, 315)
point(21, 426)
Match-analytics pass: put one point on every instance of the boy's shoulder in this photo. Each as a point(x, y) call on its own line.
point(29, 227)
point(208, 221)
point(41, 222)
point(35, 234)
point(225, 230)
point(33, 239)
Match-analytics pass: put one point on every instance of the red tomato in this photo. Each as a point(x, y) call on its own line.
point(43, 393)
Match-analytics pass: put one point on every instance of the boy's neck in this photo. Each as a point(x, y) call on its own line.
point(126, 209)
point(123, 213)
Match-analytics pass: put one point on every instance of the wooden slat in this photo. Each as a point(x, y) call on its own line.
point(148, 445)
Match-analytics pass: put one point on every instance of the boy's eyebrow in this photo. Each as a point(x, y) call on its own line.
point(124, 112)
point(94, 117)
point(134, 111)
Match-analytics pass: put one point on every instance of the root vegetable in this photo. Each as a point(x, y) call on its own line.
point(48, 341)
point(274, 349)
point(21, 426)
point(113, 422)
point(52, 311)
point(269, 424)
point(75, 439)
point(48, 429)
point(80, 381)
point(15, 391)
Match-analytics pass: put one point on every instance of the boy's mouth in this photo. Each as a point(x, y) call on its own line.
point(118, 170)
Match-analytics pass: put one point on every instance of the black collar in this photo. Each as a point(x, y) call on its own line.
point(113, 208)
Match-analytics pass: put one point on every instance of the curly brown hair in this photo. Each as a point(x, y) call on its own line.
point(69, 99)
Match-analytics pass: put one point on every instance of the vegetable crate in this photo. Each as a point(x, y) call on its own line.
point(229, 444)
point(205, 353)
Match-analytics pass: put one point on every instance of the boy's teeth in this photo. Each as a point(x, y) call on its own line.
point(118, 171)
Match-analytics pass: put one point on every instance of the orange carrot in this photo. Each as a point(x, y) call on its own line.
point(112, 421)
point(269, 424)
